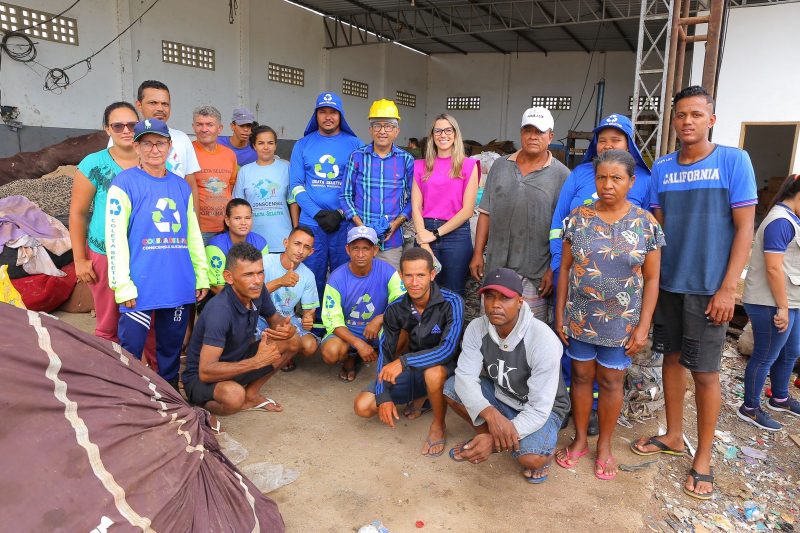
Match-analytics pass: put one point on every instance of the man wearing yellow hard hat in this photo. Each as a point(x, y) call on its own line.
point(376, 190)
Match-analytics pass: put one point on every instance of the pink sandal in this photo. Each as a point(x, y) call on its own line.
point(602, 473)
point(565, 463)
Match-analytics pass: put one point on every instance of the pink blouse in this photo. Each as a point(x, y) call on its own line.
point(443, 196)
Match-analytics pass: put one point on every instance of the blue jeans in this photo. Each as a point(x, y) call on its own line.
point(454, 252)
point(540, 442)
point(329, 254)
point(773, 353)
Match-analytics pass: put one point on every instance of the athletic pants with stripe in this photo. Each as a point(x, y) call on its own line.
point(170, 326)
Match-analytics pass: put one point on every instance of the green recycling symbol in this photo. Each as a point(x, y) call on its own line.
point(161, 218)
point(327, 159)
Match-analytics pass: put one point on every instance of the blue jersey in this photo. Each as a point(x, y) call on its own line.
point(352, 301)
point(153, 241)
point(316, 171)
point(697, 201)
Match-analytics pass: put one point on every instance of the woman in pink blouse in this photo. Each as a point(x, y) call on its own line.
point(443, 199)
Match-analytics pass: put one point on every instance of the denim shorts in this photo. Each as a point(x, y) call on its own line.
point(612, 357)
point(540, 442)
point(297, 322)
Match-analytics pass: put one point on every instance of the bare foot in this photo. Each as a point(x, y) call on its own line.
point(416, 409)
point(262, 404)
point(348, 371)
point(435, 443)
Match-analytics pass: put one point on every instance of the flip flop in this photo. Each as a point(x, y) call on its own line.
point(565, 463)
point(662, 448)
point(537, 480)
point(291, 366)
point(262, 405)
point(708, 478)
point(436, 443)
point(217, 428)
point(457, 449)
point(602, 474)
point(345, 375)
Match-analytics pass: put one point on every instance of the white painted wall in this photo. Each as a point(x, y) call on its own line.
point(80, 105)
point(760, 72)
point(272, 30)
point(506, 84)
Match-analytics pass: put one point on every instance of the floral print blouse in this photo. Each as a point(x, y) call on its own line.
point(605, 281)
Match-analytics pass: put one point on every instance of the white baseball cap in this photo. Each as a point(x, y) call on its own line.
point(538, 117)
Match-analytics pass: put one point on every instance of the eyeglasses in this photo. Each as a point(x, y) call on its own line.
point(443, 131)
point(148, 146)
point(119, 127)
point(378, 126)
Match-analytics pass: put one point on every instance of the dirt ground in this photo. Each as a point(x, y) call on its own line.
point(354, 471)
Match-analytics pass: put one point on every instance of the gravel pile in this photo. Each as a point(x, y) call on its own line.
point(51, 192)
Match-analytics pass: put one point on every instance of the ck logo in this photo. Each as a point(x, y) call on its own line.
point(116, 207)
point(499, 371)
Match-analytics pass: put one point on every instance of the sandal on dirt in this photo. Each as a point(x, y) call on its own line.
point(537, 480)
point(662, 448)
point(431, 444)
point(708, 478)
point(457, 449)
point(262, 406)
point(291, 366)
point(566, 463)
point(602, 473)
point(349, 375)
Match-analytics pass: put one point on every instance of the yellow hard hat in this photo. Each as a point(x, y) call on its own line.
point(383, 108)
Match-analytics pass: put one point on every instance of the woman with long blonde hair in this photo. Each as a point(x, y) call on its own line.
point(443, 199)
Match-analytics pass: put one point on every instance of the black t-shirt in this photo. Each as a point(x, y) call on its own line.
point(227, 324)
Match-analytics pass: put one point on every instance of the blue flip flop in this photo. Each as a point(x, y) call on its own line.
point(455, 449)
point(537, 480)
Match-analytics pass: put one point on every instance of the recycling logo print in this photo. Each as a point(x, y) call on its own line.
point(161, 216)
point(330, 162)
point(116, 207)
point(329, 303)
point(147, 124)
point(612, 119)
point(328, 97)
point(216, 261)
point(364, 308)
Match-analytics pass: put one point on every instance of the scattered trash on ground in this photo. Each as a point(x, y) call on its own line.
point(268, 476)
point(376, 526)
point(757, 475)
point(233, 450)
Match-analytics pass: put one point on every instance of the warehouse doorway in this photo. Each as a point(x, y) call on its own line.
point(772, 147)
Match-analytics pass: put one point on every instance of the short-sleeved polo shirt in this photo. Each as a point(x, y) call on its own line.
point(226, 323)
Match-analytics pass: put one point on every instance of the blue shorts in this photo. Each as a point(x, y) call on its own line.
point(540, 442)
point(607, 356)
point(373, 343)
point(408, 386)
point(297, 322)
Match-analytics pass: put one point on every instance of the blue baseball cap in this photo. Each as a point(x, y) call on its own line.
point(329, 99)
point(362, 232)
point(150, 125)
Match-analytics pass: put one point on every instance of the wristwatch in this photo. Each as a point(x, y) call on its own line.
point(436, 233)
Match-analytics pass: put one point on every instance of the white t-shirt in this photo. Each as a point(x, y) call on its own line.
point(181, 160)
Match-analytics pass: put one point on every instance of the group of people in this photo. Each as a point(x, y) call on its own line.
point(279, 259)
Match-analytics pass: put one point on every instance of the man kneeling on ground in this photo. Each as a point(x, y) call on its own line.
point(432, 320)
point(239, 341)
point(520, 405)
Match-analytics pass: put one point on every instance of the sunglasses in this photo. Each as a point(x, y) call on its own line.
point(119, 127)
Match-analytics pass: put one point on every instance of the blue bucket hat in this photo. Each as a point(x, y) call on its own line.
point(332, 100)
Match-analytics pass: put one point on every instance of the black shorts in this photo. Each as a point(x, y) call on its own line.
point(199, 392)
point(681, 325)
